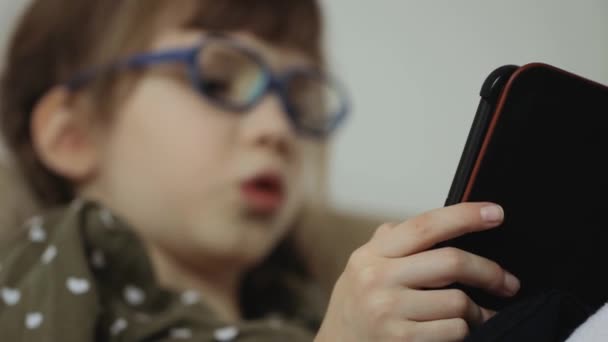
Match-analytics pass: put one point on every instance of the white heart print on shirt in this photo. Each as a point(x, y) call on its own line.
point(180, 333)
point(190, 297)
point(118, 326)
point(78, 286)
point(33, 320)
point(275, 323)
point(49, 254)
point(11, 296)
point(226, 334)
point(134, 295)
point(77, 204)
point(107, 218)
point(36, 233)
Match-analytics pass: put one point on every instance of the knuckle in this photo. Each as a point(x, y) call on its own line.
point(420, 227)
point(405, 333)
point(454, 259)
point(379, 307)
point(358, 259)
point(459, 302)
point(460, 328)
point(405, 336)
point(364, 273)
point(367, 278)
point(385, 228)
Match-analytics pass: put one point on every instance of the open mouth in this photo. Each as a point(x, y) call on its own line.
point(264, 193)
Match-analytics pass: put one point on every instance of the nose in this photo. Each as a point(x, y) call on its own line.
point(268, 126)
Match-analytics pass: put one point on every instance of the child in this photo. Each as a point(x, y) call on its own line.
point(173, 144)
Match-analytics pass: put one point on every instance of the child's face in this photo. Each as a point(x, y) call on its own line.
point(197, 181)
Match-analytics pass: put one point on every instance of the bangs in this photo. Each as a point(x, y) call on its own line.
point(293, 24)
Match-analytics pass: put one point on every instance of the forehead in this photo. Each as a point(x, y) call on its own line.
point(276, 56)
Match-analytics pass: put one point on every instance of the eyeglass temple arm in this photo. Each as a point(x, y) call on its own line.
point(137, 61)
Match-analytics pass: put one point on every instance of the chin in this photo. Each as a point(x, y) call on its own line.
point(261, 234)
point(235, 234)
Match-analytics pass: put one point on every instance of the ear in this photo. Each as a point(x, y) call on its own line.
point(62, 138)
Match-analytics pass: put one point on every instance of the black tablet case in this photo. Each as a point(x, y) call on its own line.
point(539, 148)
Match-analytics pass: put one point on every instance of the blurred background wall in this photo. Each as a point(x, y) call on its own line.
point(414, 69)
point(9, 12)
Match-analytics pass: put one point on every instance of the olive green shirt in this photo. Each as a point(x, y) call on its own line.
point(80, 274)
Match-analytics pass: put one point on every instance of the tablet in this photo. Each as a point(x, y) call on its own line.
point(539, 148)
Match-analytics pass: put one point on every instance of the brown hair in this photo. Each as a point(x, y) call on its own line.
point(58, 38)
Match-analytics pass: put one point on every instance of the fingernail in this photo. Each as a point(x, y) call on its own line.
point(512, 284)
point(492, 214)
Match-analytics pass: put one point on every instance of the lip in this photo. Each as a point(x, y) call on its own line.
point(264, 193)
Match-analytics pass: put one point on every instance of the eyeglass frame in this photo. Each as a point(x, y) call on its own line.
point(272, 81)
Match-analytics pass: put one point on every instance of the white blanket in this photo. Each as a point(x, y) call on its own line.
point(595, 329)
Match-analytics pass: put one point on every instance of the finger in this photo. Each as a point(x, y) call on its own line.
point(423, 306)
point(487, 313)
point(445, 266)
point(447, 330)
point(427, 230)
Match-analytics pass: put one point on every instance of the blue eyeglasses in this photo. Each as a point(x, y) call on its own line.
point(235, 78)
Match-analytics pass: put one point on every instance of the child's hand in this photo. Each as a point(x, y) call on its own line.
point(387, 291)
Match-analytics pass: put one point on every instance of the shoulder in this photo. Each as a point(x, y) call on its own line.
point(38, 241)
point(45, 272)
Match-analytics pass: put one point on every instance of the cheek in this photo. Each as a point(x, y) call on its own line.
point(309, 170)
point(165, 140)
